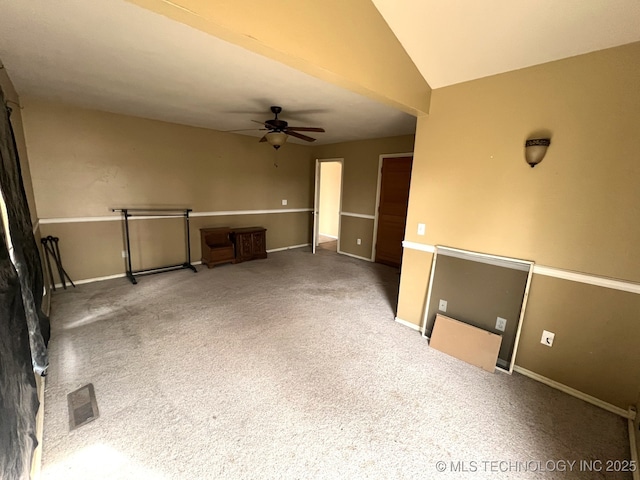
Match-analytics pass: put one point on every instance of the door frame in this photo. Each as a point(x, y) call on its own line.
point(316, 202)
point(377, 210)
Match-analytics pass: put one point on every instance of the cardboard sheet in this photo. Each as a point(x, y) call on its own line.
point(466, 342)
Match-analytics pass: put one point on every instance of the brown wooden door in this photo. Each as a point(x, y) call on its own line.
point(392, 213)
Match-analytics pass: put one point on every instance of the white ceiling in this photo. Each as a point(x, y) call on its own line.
point(114, 56)
point(454, 41)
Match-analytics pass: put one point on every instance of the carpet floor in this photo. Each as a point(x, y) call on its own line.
point(293, 368)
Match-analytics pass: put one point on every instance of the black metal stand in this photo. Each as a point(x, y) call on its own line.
point(155, 213)
point(51, 248)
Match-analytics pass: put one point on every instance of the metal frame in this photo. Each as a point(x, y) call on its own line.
point(150, 213)
point(485, 258)
point(51, 248)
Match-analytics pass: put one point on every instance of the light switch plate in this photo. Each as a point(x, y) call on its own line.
point(547, 338)
point(501, 324)
point(442, 306)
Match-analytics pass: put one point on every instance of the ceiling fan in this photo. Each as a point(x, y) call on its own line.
point(280, 129)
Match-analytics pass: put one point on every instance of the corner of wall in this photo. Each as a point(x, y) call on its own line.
point(634, 440)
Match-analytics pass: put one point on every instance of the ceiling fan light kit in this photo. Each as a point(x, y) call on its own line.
point(276, 139)
point(279, 130)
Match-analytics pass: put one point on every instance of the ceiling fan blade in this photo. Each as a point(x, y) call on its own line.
point(245, 130)
point(263, 139)
point(300, 136)
point(306, 129)
point(263, 123)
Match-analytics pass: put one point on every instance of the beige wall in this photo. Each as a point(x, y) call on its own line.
point(330, 182)
point(110, 160)
point(577, 210)
point(498, 292)
point(360, 182)
point(94, 249)
point(361, 161)
point(85, 162)
point(352, 229)
point(595, 348)
point(414, 283)
point(345, 43)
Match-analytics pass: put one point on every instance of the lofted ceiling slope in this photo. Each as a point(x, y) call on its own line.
point(115, 55)
point(456, 41)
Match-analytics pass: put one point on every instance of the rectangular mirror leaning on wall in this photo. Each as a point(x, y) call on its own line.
point(486, 291)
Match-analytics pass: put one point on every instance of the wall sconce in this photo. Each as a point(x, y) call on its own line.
point(535, 149)
point(276, 139)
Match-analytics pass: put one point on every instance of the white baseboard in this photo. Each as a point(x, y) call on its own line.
point(335, 237)
point(96, 279)
point(412, 326)
point(629, 414)
point(199, 262)
point(109, 277)
point(575, 393)
point(288, 248)
point(355, 256)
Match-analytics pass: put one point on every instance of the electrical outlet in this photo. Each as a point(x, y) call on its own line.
point(359, 241)
point(547, 338)
point(501, 324)
point(284, 202)
point(442, 306)
point(421, 228)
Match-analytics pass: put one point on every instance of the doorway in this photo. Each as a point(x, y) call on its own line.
point(394, 178)
point(328, 202)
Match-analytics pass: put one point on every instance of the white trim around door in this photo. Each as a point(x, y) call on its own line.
point(316, 202)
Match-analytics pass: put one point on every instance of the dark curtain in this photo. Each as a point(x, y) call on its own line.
point(25, 250)
point(24, 329)
point(18, 397)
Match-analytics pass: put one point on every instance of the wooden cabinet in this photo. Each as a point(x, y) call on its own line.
point(217, 246)
point(224, 245)
point(250, 243)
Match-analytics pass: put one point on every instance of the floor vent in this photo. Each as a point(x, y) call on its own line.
point(83, 407)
